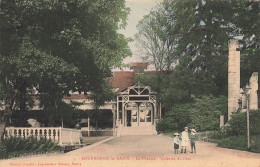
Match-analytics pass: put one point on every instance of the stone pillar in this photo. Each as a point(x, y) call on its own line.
point(221, 121)
point(233, 77)
point(88, 127)
point(155, 113)
point(123, 113)
point(155, 110)
point(253, 83)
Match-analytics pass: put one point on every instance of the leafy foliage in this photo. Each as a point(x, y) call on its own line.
point(239, 143)
point(176, 119)
point(155, 38)
point(206, 112)
point(202, 114)
point(15, 146)
point(238, 123)
point(182, 83)
point(233, 142)
point(200, 33)
point(53, 47)
point(235, 135)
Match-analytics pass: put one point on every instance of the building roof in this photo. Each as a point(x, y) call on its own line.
point(121, 80)
point(135, 64)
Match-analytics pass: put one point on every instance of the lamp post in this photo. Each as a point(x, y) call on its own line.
point(247, 92)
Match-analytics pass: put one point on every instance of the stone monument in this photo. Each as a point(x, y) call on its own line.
point(253, 99)
point(233, 78)
point(237, 98)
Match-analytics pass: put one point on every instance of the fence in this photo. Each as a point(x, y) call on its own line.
point(62, 136)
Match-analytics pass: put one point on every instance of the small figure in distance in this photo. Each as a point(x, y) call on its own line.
point(192, 140)
point(176, 142)
point(77, 126)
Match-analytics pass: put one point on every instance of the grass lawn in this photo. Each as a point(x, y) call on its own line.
point(239, 143)
point(170, 133)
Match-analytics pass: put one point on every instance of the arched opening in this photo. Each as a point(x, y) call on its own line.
point(139, 113)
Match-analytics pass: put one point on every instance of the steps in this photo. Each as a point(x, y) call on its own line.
point(141, 130)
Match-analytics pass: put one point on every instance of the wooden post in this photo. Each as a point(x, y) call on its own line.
point(152, 116)
point(125, 117)
point(88, 127)
point(117, 109)
point(123, 113)
point(248, 128)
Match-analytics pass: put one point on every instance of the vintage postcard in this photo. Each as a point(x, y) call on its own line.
point(129, 83)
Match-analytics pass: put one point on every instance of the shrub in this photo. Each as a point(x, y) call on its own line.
point(238, 123)
point(255, 122)
point(234, 142)
point(202, 115)
point(166, 124)
point(235, 135)
point(205, 112)
point(255, 143)
point(16, 146)
point(176, 119)
point(222, 133)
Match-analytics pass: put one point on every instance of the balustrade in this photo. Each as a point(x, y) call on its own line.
point(62, 136)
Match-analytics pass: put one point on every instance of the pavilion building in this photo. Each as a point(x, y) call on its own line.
point(135, 109)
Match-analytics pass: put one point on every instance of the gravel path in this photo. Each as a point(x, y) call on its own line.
point(142, 151)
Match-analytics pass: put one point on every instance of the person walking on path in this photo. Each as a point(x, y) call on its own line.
point(176, 142)
point(184, 140)
point(192, 140)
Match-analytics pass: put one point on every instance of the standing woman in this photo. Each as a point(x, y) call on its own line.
point(184, 140)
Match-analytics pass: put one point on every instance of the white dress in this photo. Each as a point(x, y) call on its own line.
point(184, 139)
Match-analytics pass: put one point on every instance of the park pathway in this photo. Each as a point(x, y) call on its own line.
point(142, 151)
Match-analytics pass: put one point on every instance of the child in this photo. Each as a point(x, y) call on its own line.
point(192, 140)
point(176, 142)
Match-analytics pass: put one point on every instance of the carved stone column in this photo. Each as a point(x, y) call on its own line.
point(233, 77)
point(253, 82)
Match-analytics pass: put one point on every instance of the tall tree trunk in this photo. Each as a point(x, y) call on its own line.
point(22, 96)
point(96, 127)
point(7, 113)
point(22, 99)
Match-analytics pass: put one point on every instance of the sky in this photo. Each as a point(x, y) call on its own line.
point(139, 8)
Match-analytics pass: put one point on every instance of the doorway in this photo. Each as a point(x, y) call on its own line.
point(129, 121)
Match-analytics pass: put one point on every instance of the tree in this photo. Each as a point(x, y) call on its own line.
point(184, 83)
point(105, 93)
point(156, 39)
point(200, 34)
point(204, 29)
point(59, 46)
